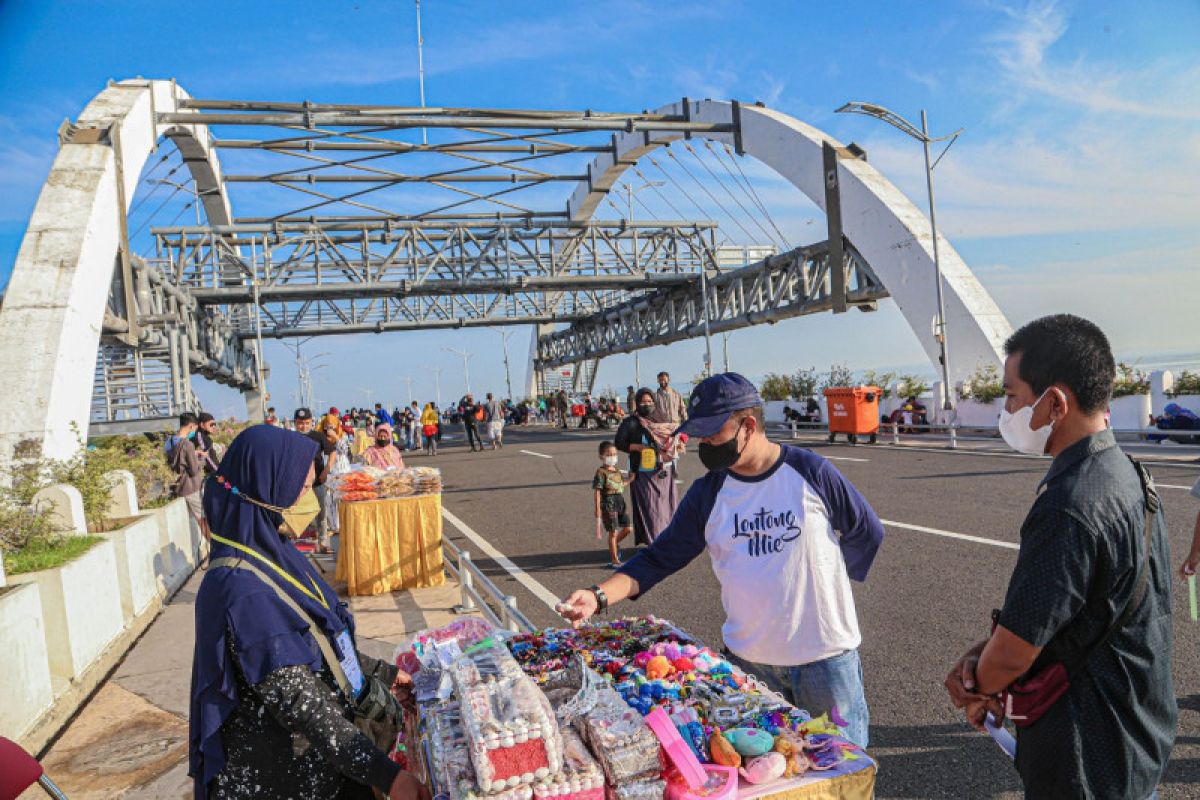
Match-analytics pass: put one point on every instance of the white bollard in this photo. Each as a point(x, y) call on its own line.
point(1161, 382)
point(65, 505)
point(122, 494)
point(465, 583)
point(3, 579)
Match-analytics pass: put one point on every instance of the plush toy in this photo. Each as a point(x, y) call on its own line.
point(642, 659)
point(683, 664)
point(793, 754)
point(750, 741)
point(722, 751)
point(764, 768)
point(671, 651)
point(659, 667)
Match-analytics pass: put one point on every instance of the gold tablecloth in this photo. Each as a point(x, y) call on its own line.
point(386, 545)
point(854, 786)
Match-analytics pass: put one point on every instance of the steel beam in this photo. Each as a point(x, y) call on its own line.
point(780, 287)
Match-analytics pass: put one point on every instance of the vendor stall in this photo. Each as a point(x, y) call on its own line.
point(630, 709)
point(390, 530)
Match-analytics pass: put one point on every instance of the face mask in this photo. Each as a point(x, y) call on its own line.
point(383, 441)
point(610, 461)
point(717, 457)
point(1017, 433)
point(297, 518)
point(192, 436)
point(645, 411)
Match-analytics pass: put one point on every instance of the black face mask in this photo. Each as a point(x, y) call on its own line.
point(645, 410)
point(383, 442)
point(716, 457)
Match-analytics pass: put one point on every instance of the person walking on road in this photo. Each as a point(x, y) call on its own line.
point(275, 661)
point(562, 407)
point(1080, 653)
point(608, 486)
point(495, 421)
point(653, 494)
point(429, 428)
point(668, 403)
point(786, 534)
point(472, 414)
point(631, 402)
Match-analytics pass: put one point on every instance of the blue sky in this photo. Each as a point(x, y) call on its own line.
point(1075, 186)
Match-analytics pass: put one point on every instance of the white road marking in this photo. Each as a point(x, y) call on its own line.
point(531, 453)
point(847, 458)
point(1172, 486)
point(952, 535)
point(521, 576)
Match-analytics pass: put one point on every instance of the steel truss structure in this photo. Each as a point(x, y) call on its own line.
point(780, 287)
point(341, 277)
point(174, 336)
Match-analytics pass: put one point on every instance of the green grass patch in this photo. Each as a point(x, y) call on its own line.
point(41, 554)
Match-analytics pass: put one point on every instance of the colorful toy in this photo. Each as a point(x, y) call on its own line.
point(764, 768)
point(793, 753)
point(750, 741)
point(659, 667)
point(723, 753)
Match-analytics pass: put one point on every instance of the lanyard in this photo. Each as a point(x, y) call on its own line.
point(315, 594)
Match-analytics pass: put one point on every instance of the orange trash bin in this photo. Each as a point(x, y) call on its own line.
point(854, 411)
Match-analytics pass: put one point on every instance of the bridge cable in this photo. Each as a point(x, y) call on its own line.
point(732, 218)
point(753, 217)
point(754, 193)
point(156, 187)
point(682, 191)
point(154, 213)
point(678, 214)
point(752, 196)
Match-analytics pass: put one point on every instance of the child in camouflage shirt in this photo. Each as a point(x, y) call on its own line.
point(607, 487)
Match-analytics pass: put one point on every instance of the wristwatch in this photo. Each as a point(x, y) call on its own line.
point(601, 597)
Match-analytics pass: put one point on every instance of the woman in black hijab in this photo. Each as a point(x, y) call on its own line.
point(276, 678)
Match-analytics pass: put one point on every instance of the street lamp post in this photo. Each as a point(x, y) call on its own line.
point(922, 135)
point(507, 376)
point(466, 370)
point(630, 192)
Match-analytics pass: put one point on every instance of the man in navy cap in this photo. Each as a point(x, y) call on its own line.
point(782, 527)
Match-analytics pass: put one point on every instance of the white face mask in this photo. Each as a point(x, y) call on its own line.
point(1018, 433)
point(610, 461)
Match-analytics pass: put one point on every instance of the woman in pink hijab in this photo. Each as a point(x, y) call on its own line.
point(383, 454)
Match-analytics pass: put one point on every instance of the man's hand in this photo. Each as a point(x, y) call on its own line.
point(961, 686)
point(1188, 569)
point(407, 787)
point(578, 607)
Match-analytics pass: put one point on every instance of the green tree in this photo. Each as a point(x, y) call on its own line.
point(983, 386)
point(838, 375)
point(776, 387)
point(1130, 381)
point(1186, 383)
point(805, 382)
point(911, 385)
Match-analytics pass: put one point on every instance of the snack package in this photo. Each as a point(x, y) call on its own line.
point(622, 742)
point(641, 789)
point(581, 777)
point(512, 735)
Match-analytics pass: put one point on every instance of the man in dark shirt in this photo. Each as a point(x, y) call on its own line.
point(321, 463)
point(1082, 553)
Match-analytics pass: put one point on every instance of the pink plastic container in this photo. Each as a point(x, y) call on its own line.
point(704, 781)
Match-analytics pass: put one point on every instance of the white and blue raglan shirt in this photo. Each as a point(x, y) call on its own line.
point(789, 540)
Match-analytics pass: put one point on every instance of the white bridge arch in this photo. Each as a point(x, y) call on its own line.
point(883, 225)
point(54, 307)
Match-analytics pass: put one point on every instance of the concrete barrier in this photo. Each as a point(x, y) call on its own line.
point(62, 630)
point(81, 607)
point(140, 563)
point(28, 691)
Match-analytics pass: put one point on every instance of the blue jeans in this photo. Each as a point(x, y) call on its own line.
point(818, 687)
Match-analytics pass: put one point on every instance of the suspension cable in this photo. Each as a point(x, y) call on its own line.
point(751, 216)
point(711, 196)
point(754, 194)
point(678, 214)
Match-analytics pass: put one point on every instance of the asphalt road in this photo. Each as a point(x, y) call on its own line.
point(928, 596)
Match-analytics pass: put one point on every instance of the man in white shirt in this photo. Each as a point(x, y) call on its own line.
point(782, 526)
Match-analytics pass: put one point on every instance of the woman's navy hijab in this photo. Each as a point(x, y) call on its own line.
point(234, 606)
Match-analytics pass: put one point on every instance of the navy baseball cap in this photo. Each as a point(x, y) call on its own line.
point(302, 413)
point(714, 400)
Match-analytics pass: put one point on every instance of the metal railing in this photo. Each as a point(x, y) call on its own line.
point(480, 595)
